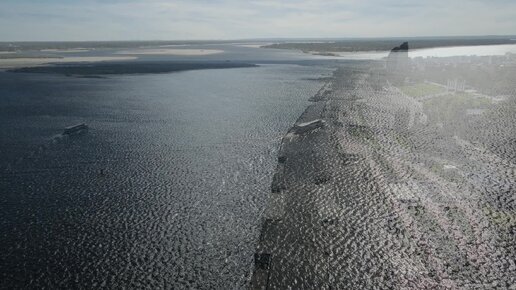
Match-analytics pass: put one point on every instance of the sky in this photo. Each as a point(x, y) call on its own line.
point(76, 20)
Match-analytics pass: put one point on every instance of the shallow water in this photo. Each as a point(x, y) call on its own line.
point(402, 188)
point(166, 189)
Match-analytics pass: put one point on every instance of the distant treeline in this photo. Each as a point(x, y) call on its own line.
point(354, 45)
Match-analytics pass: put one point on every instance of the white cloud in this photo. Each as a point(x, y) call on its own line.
point(226, 19)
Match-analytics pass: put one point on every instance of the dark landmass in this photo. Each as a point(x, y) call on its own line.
point(80, 69)
point(403, 47)
point(355, 45)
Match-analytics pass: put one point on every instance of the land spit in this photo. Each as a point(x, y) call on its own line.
point(378, 196)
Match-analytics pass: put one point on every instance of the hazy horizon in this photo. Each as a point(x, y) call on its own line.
point(138, 20)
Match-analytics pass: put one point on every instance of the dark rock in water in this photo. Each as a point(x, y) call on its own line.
point(398, 62)
point(403, 47)
point(261, 271)
point(399, 55)
point(278, 183)
point(262, 260)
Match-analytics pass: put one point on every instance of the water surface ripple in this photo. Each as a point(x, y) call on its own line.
point(166, 189)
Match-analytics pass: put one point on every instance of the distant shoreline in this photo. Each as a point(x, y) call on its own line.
point(384, 45)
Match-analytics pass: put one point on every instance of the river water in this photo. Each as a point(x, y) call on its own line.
point(408, 184)
point(166, 189)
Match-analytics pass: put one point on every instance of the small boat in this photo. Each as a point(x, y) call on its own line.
point(308, 126)
point(75, 129)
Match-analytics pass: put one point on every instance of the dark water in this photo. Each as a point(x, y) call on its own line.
point(166, 189)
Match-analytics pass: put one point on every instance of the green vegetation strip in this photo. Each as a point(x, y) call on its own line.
point(421, 90)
